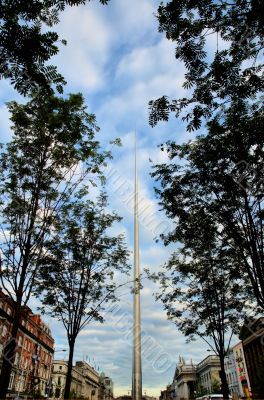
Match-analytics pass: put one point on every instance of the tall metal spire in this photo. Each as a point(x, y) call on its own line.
point(137, 373)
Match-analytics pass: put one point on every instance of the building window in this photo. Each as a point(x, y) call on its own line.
point(16, 359)
point(59, 381)
point(11, 381)
point(4, 330)
point(20, 341)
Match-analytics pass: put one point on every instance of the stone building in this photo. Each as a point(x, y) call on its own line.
point(31, 372)
point(208, 374)
point(252, 337)
point(59, 372)
point(190, 379)
point(184, 380)
point(106, 388)
point(86, 382)
point(90, 380)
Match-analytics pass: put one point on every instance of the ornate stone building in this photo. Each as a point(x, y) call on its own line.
point(189, 379)
point(34, 351)
point(86, 382)
point(106, 388)
point(208, 373)
point(184, 380)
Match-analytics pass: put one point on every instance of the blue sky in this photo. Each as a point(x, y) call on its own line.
point(118, 60)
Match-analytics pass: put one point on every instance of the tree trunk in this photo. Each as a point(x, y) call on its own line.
point(69, 371)
point(224, 383)
point(8, 356)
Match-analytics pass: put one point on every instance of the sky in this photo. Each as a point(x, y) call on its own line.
point(117, 58)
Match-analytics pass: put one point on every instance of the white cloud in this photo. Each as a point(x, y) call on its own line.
point(88, 36)
point(5, 131)
point(117, 58)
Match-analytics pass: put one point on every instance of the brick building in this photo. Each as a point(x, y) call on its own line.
point(34, 351)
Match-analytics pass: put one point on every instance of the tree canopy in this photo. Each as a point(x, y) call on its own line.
point(53, 153)
point(217, 180)
point(201, 293)
point(25, 46)
point(233, 70)
point(76, 277)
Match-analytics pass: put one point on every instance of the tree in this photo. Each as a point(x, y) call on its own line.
point(25, 47)
point(216, 387)
point(216, 77)
point(200, 291)
point(52, 152)
point(218, 179)
point(76, 277)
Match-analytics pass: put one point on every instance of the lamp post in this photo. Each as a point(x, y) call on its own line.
point(19, 382)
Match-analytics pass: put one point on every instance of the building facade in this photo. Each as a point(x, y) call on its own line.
point(31, 372)
point(106, 388)
point(58, 380)
point(191, 381)
point(241, 370)
point(90, 380)
point(184, 380)
point(208, 377)
point(231, 375)
point(86, 383)
point(252, 337)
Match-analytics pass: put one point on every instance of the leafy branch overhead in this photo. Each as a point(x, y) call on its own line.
point(216, 182)
point(232, 71)
point(76, 274)
point(200, 289)
point(25, 46)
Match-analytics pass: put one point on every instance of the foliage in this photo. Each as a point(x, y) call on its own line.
point(26, 44)
point(230, 72)
point(201, 391)
point(212, 188)
point(200, 292)
point(216, 386)
point(217, 180)
point(76, 275)
point(53, 153)
point(37, 394)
